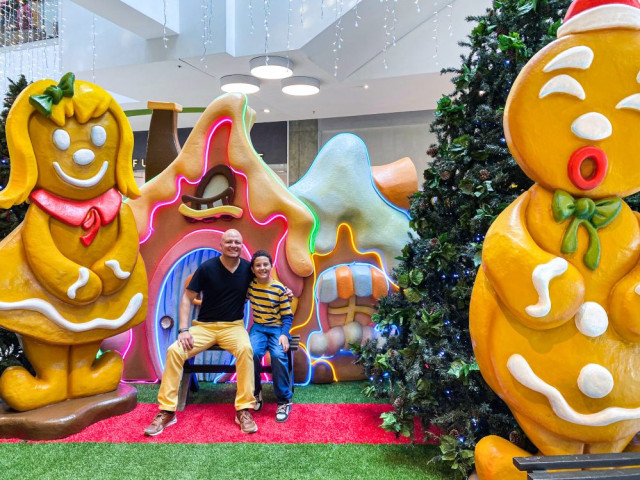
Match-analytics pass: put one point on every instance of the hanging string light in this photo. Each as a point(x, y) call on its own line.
point(93, 48)
point(337, 43)
point(165, 39)
point(450, 17)
point(387, 34)
point(207, 29)
point(436, 54)
point(357, 16)
point(417, 3)
point(322, 10)
point(252, 28)
point(289, 25)
point(394, 23)
point(29, 37)
point(267, 14)
point(302, 12)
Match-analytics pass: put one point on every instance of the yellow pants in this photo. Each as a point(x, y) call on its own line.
point(231, 336)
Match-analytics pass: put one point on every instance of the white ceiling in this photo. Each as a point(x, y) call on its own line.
point(131, 58)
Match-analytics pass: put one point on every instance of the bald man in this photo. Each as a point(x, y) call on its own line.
point(223, 282)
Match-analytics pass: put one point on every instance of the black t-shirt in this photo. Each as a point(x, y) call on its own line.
point(223, 293)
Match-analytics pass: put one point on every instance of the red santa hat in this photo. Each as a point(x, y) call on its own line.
point(587, 15)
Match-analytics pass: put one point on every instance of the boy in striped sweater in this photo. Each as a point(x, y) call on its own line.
point(272, 319)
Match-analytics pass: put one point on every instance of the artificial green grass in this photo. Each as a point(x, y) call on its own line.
point(342, 392)
point(228, 461)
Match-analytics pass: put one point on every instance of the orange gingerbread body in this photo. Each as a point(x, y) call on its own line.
point(71, 272)
point(555, 311)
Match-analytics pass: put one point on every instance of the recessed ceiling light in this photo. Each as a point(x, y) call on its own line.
point(270, 67)
point(266, 110)
point(365, 86)
point(300, 86)
point(239, 84)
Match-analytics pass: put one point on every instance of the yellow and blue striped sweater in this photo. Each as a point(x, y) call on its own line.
point(270, 304)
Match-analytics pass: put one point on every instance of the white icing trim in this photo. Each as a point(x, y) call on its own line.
point(638, 77)
point(114, 265)
point(522, 372)
point(592, 319)
point(83, 278)
point(601, 17)
point(595, 381)
point(632, 102)
point(98, 135)
point(61, 139)
point(592, 126)
point(45, 308)
point(541, 277)
point(637, 289)
point(77, 182)
point(575, 57)
point(83, 156)
point(562, 84)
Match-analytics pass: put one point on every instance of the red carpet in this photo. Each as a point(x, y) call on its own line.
point(308, 423)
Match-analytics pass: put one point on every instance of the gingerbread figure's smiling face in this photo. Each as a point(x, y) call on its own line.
point(75, 160)
point(573, 116)
point(71, 139)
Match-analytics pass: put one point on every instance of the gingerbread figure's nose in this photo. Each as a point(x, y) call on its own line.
point(83, 156)
point(592, 126)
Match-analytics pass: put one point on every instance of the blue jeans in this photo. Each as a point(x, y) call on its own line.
point(263, 338)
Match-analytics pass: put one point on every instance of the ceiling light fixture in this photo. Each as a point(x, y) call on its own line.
point(271, 68)
point(300, 86)
point(239, 84)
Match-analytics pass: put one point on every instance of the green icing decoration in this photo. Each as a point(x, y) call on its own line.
point(591, 215)
point(53, 94)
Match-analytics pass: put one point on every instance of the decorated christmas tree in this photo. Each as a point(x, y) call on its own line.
point(423, 361)
point(10, 350)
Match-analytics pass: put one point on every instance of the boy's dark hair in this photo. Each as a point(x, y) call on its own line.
point(261, 253)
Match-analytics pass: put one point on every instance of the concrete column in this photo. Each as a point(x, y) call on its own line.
point(303, 147)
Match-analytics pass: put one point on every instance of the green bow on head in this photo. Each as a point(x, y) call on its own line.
point(592, 215)
point(53, 94)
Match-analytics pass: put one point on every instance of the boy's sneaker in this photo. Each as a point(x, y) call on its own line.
point(258, 405)
point(283, 411)
point(245, 420)
point(163, 419)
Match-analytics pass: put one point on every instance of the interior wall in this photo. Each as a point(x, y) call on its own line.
point(388, 137)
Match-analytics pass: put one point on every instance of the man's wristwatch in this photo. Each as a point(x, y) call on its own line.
point(182, 330)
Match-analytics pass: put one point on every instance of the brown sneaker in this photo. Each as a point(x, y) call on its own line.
point(245, 420)
point(163, 419)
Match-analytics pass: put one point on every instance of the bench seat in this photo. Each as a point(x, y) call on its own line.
point(189, 382)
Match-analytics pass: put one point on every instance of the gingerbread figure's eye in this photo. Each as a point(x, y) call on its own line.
point(579, 57)
point(632, 102)
point(98, 135)
point(61, 139)
point(563, 84)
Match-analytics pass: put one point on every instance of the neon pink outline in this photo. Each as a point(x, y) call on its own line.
point(263, 362)
point(182, 177)
point(269, 219)
point(146, 382)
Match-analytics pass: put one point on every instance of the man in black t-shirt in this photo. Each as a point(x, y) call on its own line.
point(223, 282)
